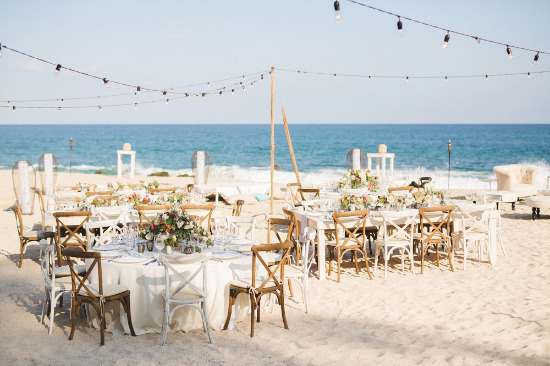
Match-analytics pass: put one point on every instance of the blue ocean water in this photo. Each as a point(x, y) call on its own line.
point(243, 151)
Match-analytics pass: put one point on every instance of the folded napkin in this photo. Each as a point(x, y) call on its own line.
point(111, 254)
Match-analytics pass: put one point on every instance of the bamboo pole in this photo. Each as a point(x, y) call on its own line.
point(290, 148)
point(272, 137)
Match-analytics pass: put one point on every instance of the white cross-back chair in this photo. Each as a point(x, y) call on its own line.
point(300, 272)
point(312, 205)
point(245, 225)
point(101, 232)
point(180, 291)
point(397, 234)
point(497, 200)
point(117, 213)
point(474, 229)
point(54, 287)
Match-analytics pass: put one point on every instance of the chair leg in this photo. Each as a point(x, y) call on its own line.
point(339, 259)
point(290, 288)
point(422, 259)
point(129, 315)
point(252, 310)
point(386, 255)
point(376, 254)
point(164, 331)
point(102, 325)
point(282, 303)
point(76, 308)
point(305, 288)
point(258, 308)
point(329, 260)
point(44, 304)
point(206, 321)
point(367, 264)
point(232, 296)
point(449, 256)
point(356, 265)
point(52, 311)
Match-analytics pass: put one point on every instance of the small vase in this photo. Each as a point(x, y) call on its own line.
point(169, 250)
point(150, 245)
point(188, 249)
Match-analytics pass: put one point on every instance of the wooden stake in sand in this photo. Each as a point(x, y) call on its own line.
point(272, 138)
point(290, 148)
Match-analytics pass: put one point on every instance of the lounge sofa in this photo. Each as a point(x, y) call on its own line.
point(517, 178)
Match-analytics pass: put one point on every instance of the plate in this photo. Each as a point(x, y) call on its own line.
point(111, 254)
point(145, 254)
point(130, 260)
point(242, 249)
point(224, 256)
point(241, 242)
point(106, 247)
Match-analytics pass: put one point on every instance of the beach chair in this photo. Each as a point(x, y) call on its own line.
point(258, 286)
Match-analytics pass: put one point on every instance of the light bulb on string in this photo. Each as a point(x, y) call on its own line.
point(167, 100)
point(536, 59)
point(208, 83)
point(369, 78)
point(62, 100)
point(251, 85)
point(100, 108)
point(446, 79)
point(98, 98)
point(528, 75)
point(262, 76)
point(244, 88)
point(106, 82)
point(407, 79)
point(337, 10)
point(58, 109)
point(399, 27)
point(220, 93)
point(135, 106)
point(13, 109)
point(187, 95)
point(446, 40)
point(486, 77)
point(203, 95)
point(8, 103)
point(57, 69)
point(244, 78)
point(138, 91)
point(335, 76)
point(298, 72)
point(164, 94)
point(509, 52)
point(232, 91)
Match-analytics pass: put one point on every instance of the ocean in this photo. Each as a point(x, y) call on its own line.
point(243, 151)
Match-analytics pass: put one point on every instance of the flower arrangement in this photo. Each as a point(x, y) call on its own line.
point(173, 227)
point(96, 201)
point(148, 186)
point(429, 197)
point(348, 202)
point(356, 179)
point(178, 197)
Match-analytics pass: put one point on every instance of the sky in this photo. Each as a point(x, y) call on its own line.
point(170, 44)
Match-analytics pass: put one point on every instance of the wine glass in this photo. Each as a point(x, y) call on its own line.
point(159, 245)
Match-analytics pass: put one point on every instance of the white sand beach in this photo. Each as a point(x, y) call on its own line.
point(484, 315)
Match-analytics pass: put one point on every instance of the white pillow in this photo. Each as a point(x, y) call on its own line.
point(247, 198)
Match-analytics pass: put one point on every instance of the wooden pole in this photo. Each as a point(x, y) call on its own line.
point(290, 148)
point(272, 137)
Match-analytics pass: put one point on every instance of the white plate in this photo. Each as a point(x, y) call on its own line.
point(106, 247)
point(130, 260)
point(241, 242)
point(111, 254)
point(224, 256)
point(145, 254)
point(242, 249)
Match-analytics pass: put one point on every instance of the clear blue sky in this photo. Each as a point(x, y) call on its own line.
point(172, 43)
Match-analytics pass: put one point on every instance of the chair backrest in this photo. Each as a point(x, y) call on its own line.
point(147, 213)
point(101, 232)
point(308, 249)
point(47, 262)
point(311, 205)
point(237, 206)
point(475, 217)
point(176, 280)
point(493, 198)
point(408, 189)
point(80, 282)
point(399, 225)
point(308, 193)
point(100, 193)
point(272, 274)
point(422, 181)
point(291, 215)
point(351, 224)
point(42, 207)
point(203, 211)
point(246, 223)
point(117, 213)
point(436, 218)
point(64, 223)
point(162, 190)
point(292, 197)
point(281, 228)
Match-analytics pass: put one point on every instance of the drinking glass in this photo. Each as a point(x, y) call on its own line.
point(159, 245)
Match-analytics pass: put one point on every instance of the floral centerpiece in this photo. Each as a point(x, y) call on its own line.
point(430, 197)
point(351, 202)
point(148, 186)
point(178, 197)
point(357, 179)
point(173, 227)
point(96, 201)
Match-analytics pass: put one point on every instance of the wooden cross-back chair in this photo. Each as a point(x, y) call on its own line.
point(353, 226)
point(204, 212)
point(292, 197)
point(306, 194)
point(256, 287)
point(237, 206)
point(94, 293)
point(283, 229)
point(100, 193)
point(163, 190)
point(147, 212)
point(422, 181)
point(407, 189)
point(71, 230)
point(189, 187)
point(437, 221)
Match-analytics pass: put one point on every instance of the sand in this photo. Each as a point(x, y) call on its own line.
point(482, 315)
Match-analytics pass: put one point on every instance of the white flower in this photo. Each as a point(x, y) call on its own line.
point(89, 200)
point(165, 217)
point(115, 185)
point(179, 224)
point(188, 226)
point(149, 236)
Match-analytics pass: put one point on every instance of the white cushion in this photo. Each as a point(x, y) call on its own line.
point(108, 289)
point(64, 271)
point(538, 201)
point(184, 294)
point(246, 282)
point(247, 198)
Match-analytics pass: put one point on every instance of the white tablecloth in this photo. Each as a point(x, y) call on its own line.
point(146, 282)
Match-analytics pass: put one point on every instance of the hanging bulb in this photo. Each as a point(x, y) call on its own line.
point(446, 79)
point(399, 27)
point(58, 109)
point(106, 82)
point(220, 93)
point(135, 105)
point(187, 95)
point(262, 76)
point(335, 76)
point(486, 77)
point(369, 78)
point(243, 88)
point(528, 75)
point(13, 109)
point(138, 91)
point(536, 59)
point(100, 108)
point(98, 98)
point(164, 94)
point(337, 10)
point(298, 72)
point(208, 83)
point(62, 100)
point(8, 103)
point(203, 95)
point(244, 78)
point(167, 100)
point(446, 40)
point(509, 52)
point(407, 79)
point(232, 91)
point(57, 69)
point(0, 49)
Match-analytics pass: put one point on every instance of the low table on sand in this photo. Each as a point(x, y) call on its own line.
point(507, 196)
point(537, 202)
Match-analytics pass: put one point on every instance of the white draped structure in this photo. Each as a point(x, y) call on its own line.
point(47, 167)
point(24, 185)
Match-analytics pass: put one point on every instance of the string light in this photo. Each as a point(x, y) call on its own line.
point(399, 27)
point(446, 40)
point(203, 95)
point(98, 98)
point(164, 94)
point(486, 77)
point(186, 95)
point(337, 10)
point(232, 91)
point(335, 76)
point(262, 75)
point(135, 105)
point(58, 109)
point(100, 108)
point(536, 59)
point(220, 93)
point(13, 109)
point(138, 91)
point(9, 103)
point(528, 75)
point(446, 78)
point(0, 49)
point(167, 100)
point(407, 79)
point(106, 82)
point(369, 78)
point(57, 69)
point(509, 52)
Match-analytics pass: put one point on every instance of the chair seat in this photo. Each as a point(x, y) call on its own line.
point(108, 289)
point(184, 294)
point(393, 243)
point(62, 284)
point(291, 270)
point(247, 282)
point(65, 271)
point(31, 234)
